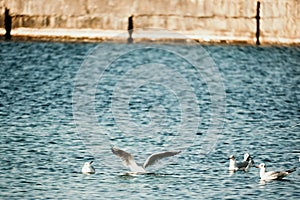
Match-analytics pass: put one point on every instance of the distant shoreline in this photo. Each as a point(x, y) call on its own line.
point(96, 35)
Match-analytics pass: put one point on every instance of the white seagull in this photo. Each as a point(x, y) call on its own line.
point(272, 175)
point(129, 162)
point(88, 168)
point(244, 165)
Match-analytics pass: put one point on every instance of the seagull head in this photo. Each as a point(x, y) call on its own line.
point(261, 165)
point(88, 164)
point(231, 157)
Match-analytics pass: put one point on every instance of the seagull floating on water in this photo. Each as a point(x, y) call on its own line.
point(244, 165)
point(129, 162)
point(88, 168)
point(272, 175)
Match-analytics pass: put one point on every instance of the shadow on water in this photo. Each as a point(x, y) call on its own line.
point(129, 175)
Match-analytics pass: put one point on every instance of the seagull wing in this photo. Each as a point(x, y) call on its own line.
point(157, 156)
point(242, 165)
point(280, 174)
point(251, 162)
point(276, 175)
point(127, 158)
point(291, 170)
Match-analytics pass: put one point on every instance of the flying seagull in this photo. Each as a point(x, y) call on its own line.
point(129, 162)
point(272, 175)
point(88, 168)
point(244, 165)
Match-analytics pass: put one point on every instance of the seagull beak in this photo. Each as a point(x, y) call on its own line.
point(91, 162)
point(257, 166)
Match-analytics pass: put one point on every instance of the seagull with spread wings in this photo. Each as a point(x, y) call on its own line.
point(128, 159)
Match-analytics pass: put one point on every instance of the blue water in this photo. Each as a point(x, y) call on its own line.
point(48, 132)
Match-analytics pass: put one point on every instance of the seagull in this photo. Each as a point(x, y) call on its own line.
point(88, 168)
point(129, 162)
point(248, 159)
point(273, 175)
point(245, 165)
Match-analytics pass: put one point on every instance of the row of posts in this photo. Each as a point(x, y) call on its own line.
point(8, 25)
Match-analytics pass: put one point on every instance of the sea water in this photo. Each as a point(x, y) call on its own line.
point(63, 104)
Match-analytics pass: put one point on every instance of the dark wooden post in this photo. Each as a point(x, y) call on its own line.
point(7, 24)
point(130, 29)
point(257, 23)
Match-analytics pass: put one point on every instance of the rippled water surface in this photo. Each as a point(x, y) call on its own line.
point(47, 133)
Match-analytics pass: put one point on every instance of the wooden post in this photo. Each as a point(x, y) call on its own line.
point(257, 23)
point(130, 29)
point(7, 24)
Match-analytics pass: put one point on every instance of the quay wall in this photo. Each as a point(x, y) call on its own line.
point(230, 20)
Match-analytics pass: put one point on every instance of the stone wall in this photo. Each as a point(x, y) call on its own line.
point(231, 19)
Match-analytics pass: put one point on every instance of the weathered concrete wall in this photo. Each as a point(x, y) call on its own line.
point(280, 19)
point(233, 19)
